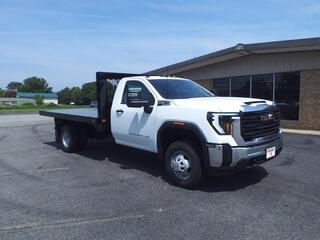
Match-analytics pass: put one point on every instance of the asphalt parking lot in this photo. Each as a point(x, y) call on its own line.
point(112, 192)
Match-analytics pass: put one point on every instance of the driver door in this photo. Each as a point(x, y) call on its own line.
point(133, 126)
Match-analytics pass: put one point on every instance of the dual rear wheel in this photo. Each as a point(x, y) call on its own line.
point(73, 139)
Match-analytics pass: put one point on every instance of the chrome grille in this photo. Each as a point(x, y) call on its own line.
point(259, 124)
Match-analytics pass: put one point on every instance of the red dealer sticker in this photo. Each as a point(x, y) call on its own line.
point(271, 152)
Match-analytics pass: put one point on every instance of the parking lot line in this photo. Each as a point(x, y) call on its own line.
point(36, 170)
point(67, 223)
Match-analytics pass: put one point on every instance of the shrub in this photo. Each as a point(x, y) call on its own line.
point(39, 100)
point(51, 104)
point(27, 104)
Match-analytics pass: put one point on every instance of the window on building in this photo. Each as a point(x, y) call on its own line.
point(285, 90)
point(262, 86)
point(240, 86)
point(287, 94)
point(222, 86)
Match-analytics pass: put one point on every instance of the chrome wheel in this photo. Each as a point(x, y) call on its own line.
point(66, 139)
point(181, 165)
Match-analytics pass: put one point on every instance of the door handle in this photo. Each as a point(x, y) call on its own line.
point(119, 111)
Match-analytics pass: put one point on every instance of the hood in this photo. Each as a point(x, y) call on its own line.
point(224, 104)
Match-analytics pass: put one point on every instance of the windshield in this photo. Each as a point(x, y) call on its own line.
point(179, 89)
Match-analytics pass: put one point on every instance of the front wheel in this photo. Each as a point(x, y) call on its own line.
point(183, 165)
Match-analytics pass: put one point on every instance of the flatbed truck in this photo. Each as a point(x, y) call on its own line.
point(194, 132)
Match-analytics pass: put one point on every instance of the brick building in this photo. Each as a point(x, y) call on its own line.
point(287, 72)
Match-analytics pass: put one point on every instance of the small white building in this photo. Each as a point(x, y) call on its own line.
point(47, 97)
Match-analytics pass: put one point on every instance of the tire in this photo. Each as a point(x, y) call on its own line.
point(183, 165)
point(69, 139)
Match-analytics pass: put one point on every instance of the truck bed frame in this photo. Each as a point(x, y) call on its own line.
point(106, 83)
point(95, 120)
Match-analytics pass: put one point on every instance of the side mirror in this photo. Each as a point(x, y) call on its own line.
point(135, 100)
point(147, 108)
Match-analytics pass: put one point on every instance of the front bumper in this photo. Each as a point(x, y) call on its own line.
point(223, 156)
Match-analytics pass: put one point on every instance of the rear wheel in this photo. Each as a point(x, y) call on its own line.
point(183, 165)
point(69, 139)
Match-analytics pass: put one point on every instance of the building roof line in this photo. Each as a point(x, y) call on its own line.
point(241, 49)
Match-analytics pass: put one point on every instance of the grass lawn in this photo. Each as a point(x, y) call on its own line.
point(34, 108)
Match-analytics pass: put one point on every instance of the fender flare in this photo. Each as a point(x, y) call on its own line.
point(187, 126)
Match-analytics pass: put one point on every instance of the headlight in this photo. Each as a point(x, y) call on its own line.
point(225, 123)
point(220, 122)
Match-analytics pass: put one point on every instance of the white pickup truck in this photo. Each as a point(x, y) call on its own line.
point(194, 132)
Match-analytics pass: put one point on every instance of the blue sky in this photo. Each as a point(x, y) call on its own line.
point(67, 41)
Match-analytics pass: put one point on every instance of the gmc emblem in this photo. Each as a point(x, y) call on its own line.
point(267, 117)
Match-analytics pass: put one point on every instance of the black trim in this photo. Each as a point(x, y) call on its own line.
point(210, 119)
point(57, 128)
point(188, 126)
point(252, 102)
point(261, 143)
point(105, 91)
point(241, 164)
point(226, 155)
point(253, 126)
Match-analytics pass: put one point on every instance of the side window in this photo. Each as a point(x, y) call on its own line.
point(145, 94)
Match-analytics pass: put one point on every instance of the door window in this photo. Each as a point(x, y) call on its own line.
point(145, 93)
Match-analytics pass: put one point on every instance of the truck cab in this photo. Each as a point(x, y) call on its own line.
point(194, 132)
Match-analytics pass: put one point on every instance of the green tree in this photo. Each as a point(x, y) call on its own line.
point(89, 92)
point(35, 84)
point(16, 86)
point(39, 100)
point(1, 92)
point(65, 96)
point(76, 95)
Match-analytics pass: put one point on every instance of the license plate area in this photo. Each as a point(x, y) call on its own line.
point(270, 152)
